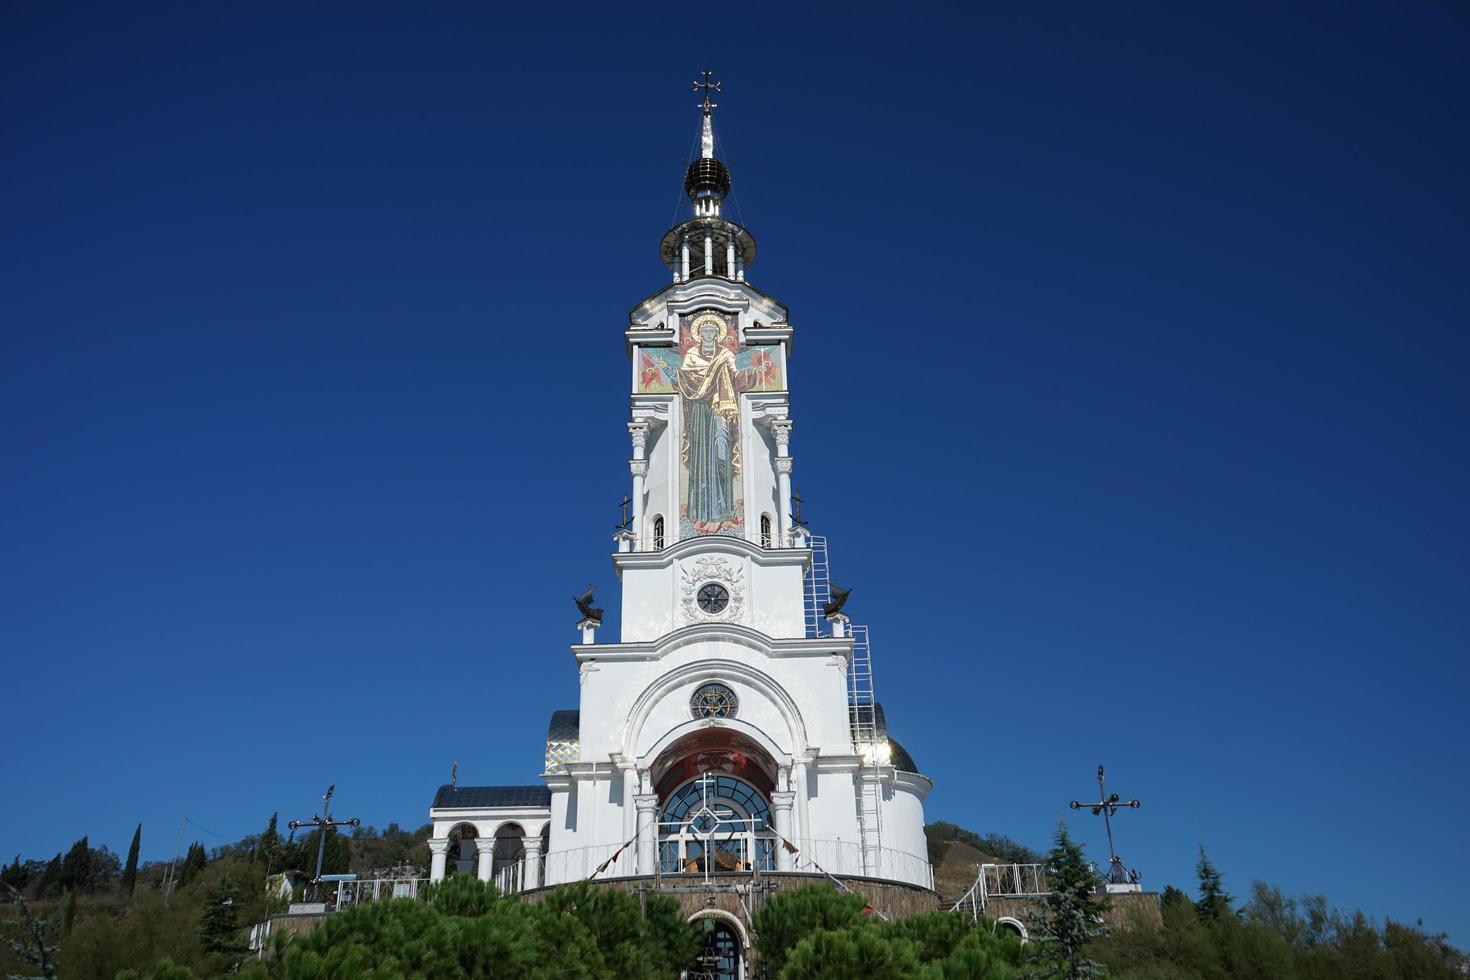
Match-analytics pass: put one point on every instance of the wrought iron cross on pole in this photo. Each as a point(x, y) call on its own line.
point(1109, 806)
point(323, 823)
point(796, 503)
point(626, 519)
point(708, 87)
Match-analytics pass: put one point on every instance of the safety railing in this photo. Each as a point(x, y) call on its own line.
point(350, 893)
point(1012, 881)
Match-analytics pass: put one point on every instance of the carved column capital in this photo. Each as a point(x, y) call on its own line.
point(638, 432)
point(783, 464)
point(781, 429)
point(485, 845)
point(646, 803)
point(783, 800)
point(532, 844)
point(638, 467)
point(439, 845)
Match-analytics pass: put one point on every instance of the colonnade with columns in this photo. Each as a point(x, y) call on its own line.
point(485, 841)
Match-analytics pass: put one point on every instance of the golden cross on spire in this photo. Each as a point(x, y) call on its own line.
point(708, 87)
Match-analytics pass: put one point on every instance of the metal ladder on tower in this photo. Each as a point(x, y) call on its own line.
point(818, 589)
point(861, 704)
point(863, 710)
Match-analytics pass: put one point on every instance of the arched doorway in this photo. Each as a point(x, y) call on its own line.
point(714, 789)
point(462, 849)
point(715, 823)
point(509, 847)
point(721, 957)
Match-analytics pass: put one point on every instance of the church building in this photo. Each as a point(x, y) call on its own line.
point(730, 735)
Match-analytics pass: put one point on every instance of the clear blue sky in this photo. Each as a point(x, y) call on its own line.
point(314, 389)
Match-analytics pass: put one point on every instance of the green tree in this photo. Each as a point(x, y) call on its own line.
point(790, 917)
point(219, 929)
point(1071, 915)
point(1213, 903)
point(268, 848)
point(195, 860)
point(76, 868)
point(130, 872)
point(857, 951)
point(50, 881)
point(16, 875)
point(28, 938)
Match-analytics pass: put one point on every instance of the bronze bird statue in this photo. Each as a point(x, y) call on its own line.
point(584, 606)
point(839, 599)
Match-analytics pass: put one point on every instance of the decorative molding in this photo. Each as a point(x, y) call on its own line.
point(646, 803)
point(485, 845)
point(781, 429)
point(702, 571)
point(638, 467)
point(587, 668)
point(638, 432)
point(783, 463)
point(439, 845)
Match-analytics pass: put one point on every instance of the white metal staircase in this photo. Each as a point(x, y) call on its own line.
point(868, 743)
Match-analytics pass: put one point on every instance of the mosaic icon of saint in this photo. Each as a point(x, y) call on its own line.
point(709, 385)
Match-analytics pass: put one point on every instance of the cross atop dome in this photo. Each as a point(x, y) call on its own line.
point(707, 131)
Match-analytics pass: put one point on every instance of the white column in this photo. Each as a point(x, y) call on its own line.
point(439, 854)
point(684, 252)
point(532, 877)
point(740, 268)
point(647, 805)
point(730, 258)
point(485, 851)
point(709, 254)
point(798, 781)
point(781, 429)
point(781, 807)
point(638, 467)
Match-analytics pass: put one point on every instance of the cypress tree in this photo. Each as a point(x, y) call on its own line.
point(130, 871)
point(268, 850)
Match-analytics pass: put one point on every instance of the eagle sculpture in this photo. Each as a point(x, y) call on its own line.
point(584, 606)
point(839, 599)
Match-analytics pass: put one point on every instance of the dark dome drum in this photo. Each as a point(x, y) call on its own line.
point(706, 175)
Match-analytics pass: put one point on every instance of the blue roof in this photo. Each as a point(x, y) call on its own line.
point(485, 797)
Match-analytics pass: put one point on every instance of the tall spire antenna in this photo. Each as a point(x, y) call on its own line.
point(707, 131)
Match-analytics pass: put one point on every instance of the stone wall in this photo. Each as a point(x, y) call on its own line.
point(1121, 908)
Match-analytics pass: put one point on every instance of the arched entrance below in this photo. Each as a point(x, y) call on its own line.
point(462, 848)
point(722, 957)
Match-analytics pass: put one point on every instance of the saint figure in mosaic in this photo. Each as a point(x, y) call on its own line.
point(709, 385)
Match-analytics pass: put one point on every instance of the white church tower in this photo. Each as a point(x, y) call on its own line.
point(731, 730)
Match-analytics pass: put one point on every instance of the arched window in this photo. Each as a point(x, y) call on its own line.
point(658, 533)
point(765, 530)
point(716, 823)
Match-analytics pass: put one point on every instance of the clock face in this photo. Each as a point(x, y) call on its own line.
point(713, 598)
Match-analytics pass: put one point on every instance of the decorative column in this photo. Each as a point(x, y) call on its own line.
point(709, 254)
point(647, 804)
point(638, 467)
point(532, 877)
point(589, 629)
point(740, 268)
point(684, 254)
point(781, 429)
point(439, 854)
point(798, 781)
point(630, 789)
point(730, 258)
point(485, 851)
point(782, 803)
point(839, 623)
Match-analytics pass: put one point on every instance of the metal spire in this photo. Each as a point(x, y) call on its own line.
point(707, 131)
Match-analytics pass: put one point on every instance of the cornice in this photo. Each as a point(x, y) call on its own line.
point(822, 646)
